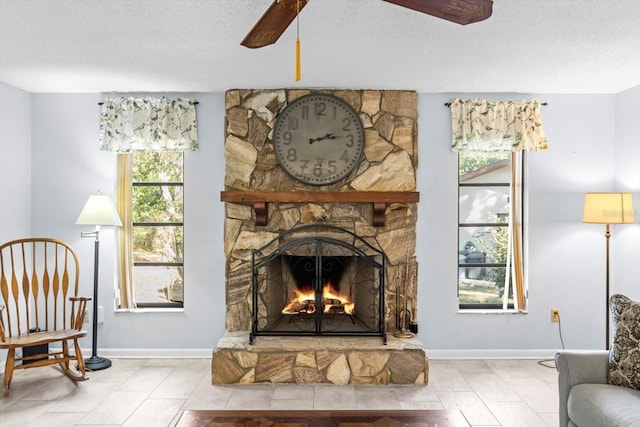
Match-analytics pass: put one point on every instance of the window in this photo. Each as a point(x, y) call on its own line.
point(150, 135)
point(152, 263)
point(490, 138)
point(488, 183)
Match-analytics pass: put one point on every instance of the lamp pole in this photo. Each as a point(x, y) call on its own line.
point(607, 209)
point(99, 210)
point(607, 236)
point(95, 362)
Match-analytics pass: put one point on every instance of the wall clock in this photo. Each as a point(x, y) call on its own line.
point(318, 139)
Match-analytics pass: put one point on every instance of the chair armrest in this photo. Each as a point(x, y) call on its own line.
point(78, 311)
point(579, 367)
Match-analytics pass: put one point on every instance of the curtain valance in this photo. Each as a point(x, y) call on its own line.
point(148, 124)
point(484, 126)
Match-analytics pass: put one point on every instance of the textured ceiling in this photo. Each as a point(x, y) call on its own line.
point(526, 46)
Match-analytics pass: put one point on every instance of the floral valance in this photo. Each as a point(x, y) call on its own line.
point(485, 126)
point(148, 124)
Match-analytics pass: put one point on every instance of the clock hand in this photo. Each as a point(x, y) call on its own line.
point(322, 138)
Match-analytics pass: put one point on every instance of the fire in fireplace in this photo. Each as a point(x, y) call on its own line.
point(332, 301)
point(318, 280)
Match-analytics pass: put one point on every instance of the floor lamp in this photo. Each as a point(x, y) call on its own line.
point(608, 208)
point(99, 210)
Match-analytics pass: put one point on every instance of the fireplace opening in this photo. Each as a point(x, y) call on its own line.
point(327, 282)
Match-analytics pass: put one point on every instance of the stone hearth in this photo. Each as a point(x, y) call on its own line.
point(323, 360)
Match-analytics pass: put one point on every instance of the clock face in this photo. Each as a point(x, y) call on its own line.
point(318, 139)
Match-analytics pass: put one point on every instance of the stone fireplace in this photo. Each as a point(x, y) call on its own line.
point(367, 223)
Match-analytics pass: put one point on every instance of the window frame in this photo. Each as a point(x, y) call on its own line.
point(509, 264)
point(126, 258)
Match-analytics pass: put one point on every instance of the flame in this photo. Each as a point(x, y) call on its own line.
point(304, 301)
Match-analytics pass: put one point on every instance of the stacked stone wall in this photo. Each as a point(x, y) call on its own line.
point(389, 163)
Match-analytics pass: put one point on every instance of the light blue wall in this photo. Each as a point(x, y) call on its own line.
point(70, 167)
point(15, 167)
point(591, 143)
point(626, 254)
point(15, 163)
point(566, 260)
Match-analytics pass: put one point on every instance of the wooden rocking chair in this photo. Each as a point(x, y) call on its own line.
point(39, 305)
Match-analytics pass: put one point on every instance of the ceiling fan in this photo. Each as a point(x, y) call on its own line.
point(282, 12)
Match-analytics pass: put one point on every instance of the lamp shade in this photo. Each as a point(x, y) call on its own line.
point(608, 208)
point(99, 210)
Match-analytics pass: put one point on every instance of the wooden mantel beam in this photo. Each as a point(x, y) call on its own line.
point(259, 200)
point(236, 196)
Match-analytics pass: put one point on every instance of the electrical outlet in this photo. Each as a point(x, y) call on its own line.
point(555, 314)
point(86, 316)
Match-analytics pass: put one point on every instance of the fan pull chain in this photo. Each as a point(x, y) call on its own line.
point(297, 40)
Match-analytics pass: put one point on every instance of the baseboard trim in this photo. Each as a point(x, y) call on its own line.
point(155, 353)
point(491, 354)
point(150, 353)
point(206, 353)
point(177, 353)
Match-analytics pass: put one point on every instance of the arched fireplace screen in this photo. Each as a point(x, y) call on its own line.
point(318, 280)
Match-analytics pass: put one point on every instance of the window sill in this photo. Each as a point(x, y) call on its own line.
point(150, 310)
point(491, 311)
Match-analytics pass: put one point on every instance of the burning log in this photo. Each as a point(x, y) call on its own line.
point(296, 307)
point(332, 302)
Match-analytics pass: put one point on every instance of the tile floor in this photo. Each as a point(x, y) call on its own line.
point(153, 392)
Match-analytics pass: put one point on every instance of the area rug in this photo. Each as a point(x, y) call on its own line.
point(362, 418)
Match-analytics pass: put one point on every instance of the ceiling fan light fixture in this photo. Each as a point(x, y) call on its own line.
point(462, 12)
point(273, 23)
point(281, 14)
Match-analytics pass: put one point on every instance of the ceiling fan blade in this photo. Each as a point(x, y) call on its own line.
point(459, 11)
point(272, 24)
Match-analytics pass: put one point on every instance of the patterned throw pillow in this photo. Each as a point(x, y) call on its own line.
point(624, 356)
